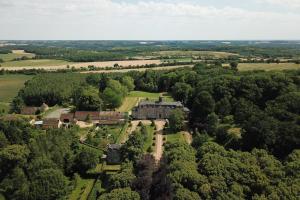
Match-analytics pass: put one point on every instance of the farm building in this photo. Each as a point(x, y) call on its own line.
point(156, 109)
point(113, 154)
point(28, 110)
point(49, 123)
point(97, 118)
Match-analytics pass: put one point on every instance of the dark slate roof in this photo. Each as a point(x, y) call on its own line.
point(114, 146)
point(158, 103)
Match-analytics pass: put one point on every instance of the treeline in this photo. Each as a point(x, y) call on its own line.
point(212, 172)
point(73, 55)
point(40, 165)
point(79, 90)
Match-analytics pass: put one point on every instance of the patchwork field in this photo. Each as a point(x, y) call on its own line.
point(267, 67)
point(15, 54)
point(195, 53)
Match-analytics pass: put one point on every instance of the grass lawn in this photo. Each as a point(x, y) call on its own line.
point(35, 63)
point(2, 197)
point(267, 67)
point(9, 88)
point(82, 189)
point(149, 140)
point(178, 137)
point(128, 104)
point(150, 95)
point(11, 56)
point(122, 133)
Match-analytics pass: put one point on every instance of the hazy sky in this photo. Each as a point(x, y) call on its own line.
point(149, 19)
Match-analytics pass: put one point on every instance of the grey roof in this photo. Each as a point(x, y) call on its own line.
point(158, 103)
point(114, 146)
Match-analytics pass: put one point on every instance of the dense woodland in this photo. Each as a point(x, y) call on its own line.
point(246, 137)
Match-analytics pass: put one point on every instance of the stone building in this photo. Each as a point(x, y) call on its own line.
point(156, 109)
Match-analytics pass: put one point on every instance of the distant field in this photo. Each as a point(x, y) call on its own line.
point(267, 67)
point(52, 64)
point(10, 85)
point(15, 65)
point(15, 54)
point(195, 53)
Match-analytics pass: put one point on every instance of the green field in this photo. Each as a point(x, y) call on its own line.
point(10, 86)
point(128, 104)
point(34, 63)
point(11, 56)
point(267, 67)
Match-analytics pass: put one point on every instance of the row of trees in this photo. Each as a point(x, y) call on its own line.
point(212, 172)
point(40, 165)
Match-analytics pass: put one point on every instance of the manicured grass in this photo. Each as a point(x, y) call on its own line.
point(178, 137)
point(267, 67)
point(11, 56)
point(149, 140)
point(82, 189)
point(10, 86)
point(128, 104)
point(150, 95)
point(34, 63)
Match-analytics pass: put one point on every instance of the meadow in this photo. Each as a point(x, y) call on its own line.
point(267, 67)
point(9, 88)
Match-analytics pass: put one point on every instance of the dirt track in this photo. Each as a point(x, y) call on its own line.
point(160, 124)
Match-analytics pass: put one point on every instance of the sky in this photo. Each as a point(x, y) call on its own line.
point(149, 20)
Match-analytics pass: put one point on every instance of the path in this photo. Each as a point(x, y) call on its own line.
point(159, 124)
point(188, 137)
point(134, 125)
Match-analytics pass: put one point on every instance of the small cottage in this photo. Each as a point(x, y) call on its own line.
point(49, 123)
point(113, 154)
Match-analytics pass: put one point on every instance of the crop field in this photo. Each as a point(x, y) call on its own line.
point(15, 54)
point(10, 85)
point(52, 64)
point(30, 64)
point(267, 67)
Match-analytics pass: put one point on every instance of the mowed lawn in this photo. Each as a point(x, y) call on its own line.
point(35, 63)
point(174, 138)
point(82, 189)
point(267, 67)
point(135, 96)
point(10, 86)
